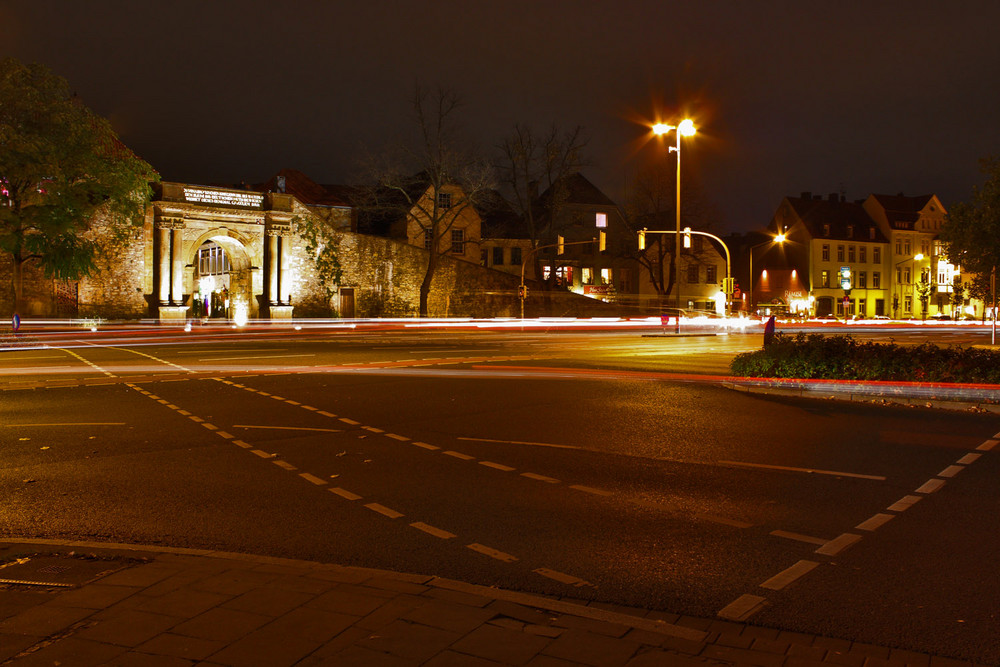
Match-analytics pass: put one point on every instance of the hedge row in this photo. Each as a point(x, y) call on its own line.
point(843, 358)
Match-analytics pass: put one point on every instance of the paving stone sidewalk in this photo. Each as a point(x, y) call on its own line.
point(100, 604)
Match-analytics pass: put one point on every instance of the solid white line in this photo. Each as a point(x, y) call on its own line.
point(68, 424)
point(903, 504)
point(742, 607)
point(270, 356)
point(951, 471)
point(876, 521)
point(520, 442)
point(834, 473)
point(819, 541)
point(382, 509)
point(930, 486)
point(431, 530)
point(289, 428)
point(838, 544)
point(785, 577)
point(968, 458)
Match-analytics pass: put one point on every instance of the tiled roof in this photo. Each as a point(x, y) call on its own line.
point(499, 221)
point(817, 213)
point(578, 191)
point(307, 191)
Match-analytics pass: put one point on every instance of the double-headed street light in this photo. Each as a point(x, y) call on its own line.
point(779, 238)
point(686, 128)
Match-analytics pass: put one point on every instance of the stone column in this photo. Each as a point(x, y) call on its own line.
point(273, 263)
point(163, 259)
point(177, 267)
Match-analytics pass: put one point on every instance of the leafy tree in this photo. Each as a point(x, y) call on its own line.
point(924, 289)
point(406, 180)
point(531, 162)
point(60, 165)
point(971, 234)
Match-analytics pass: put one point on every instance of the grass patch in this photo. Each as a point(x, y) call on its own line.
point(815, 356)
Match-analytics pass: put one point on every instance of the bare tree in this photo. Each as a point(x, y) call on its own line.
point(433, 180)
point(531, 161)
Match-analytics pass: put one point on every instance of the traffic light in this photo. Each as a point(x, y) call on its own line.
point(560, 245)
point(642, 239)
point(522, 292)
point(687, 237)
point(845, 277)
point(602, 243)
point(728, 285)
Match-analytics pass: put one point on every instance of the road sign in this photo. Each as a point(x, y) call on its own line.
point(845, 277)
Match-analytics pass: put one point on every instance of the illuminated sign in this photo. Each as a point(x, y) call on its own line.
point(224, 197)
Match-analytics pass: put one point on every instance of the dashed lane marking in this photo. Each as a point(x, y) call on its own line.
point(458, 455)
point(284, 464)
point(325, 413)
point(590, 489)
point(384, 511)
point(244, 445)
point(742, 607)
point(930, 486)
point(561, 577)
point(344, 493)
point(349, 421)
point(401, 438)
point(496, 466)
point(492, 553)
point(798, 537)
point(838, 544)
point(312, 478)
point(262, 454)
point(951, 471)
point(540, 478)
point(988, 445)
point(424, 445)
point(210, 427)
point(290, 428)
point(904, 503)
point(789, 575)
point(431, 530)
point(196, 418)
point(875, 522)
point(969, 458)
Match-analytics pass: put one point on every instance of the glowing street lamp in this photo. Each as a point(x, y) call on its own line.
point(779, 239)
point(686, 128)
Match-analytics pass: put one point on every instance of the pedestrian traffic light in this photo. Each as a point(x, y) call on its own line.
point(560, 245)
point(602, 243)
point(642, 239)
point(687, 237)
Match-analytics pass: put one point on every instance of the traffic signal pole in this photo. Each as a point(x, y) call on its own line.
point(728, 283)
point(522, 291)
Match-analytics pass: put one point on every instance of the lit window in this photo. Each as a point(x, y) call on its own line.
point(605, 276)
point(601, 219)
point(908, 304)
point(824, 280)
point(546, 272)
point(587, 275)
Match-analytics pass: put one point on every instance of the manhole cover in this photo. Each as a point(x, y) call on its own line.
point(57, 570)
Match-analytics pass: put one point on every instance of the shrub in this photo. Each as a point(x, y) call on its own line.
point(815, 356)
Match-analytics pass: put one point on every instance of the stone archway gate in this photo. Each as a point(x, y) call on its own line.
point(255, 229)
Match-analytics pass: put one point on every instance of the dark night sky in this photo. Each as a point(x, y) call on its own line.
point(790, 96)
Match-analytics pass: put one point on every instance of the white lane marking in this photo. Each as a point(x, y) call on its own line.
point(149, 356)
point(838, 544)
point(269, 356)
point(291, 402)
point(210, 427)
point(426, 446)
point(951, 471)
point(284, 464)
point(401, 438)
point(383, 510)
point(459, 455)
point(496, 466)
point(310, 408)
point(492, 553)
point(521, 442)
point(184, 412)
point(903, 504)
point(289, 428)
point(344, 493)
point(968, 458)
point(195, 418)
point(988, 445)
point(312, 478)
point(372, 429)
point(562, 577)
point(540, 478)
point(244, 445)
point(277, 398)
point(349, 421)
point(785, 577)
point(590, 489)
point(262, 454)
point(725, 521)
point(813, 471)
point(325, 413)
point(875, 522)
point(818, 541)
point(431, 530)
point(742, 607)
point(930, 486)
point(225, 434)
point(66, 424)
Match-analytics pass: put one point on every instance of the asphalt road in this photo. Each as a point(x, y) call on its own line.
point(591, 465)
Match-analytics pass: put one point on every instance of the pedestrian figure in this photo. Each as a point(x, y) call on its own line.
point(769, 331)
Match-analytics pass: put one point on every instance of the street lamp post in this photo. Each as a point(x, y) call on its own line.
point(685, 128)
point(895, 305)
point(779, 238)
